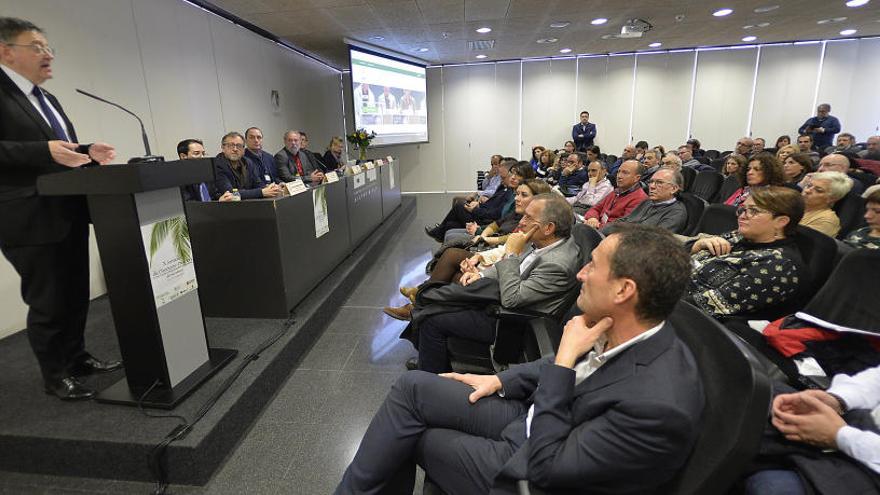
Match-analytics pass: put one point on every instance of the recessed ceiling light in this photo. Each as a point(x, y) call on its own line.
point(560, 24)
point(377, 38)
point(656, 44)
point(750, 38)
point(484, 30)
point(749, 26)
point(722, 12)
point(836, 19)
point(481, 56)
point(422, 49)
point(763, 24)
point(848, 32)
point(565, 50)
point(856, 3)
point(547, 40)
point(598, 21)
point(766, 8)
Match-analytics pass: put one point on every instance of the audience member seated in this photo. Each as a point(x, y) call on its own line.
point(755, 267)
point(641, 148)
point(594, 190)
point(744, 146)
point(805, 145)
point(821, 191)
point(842, 162)
point(234, 171)
point(455, 261)
point(292, 162)
point(548, 158)
point(758, 145)
point(818, 420)
point(733, 164)
point(617, 409)
point(868, 237)
point(313, 157)
point(574, 174)
point(663, 209)
point(763, 170)
point(822, 127)
point(333, 156)
point(626, 196)
point(688, 159)
point(872, 149)
point(845, 142)
point(536, 156)
point(536, 280)
point(694, 145)
point(651, 164)
point(491, 181)
point(795, 167)
point(568, 147)
point(672, 161)
point(785, 152)
point(781, 141)
point(629, 153)
point(190, 149)
point(482, 213)
point(254, 152)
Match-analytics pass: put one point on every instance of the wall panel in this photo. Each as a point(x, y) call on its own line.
point(849, 83)
point(548, 103)
point(605, 90)
point(662, 98)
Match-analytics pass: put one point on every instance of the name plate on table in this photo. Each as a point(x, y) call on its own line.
point(331, 177)
point(295, 187)
point(355, 169)
point(379, 162)
point(372, 175)
point(389, 159)
point(369, 165)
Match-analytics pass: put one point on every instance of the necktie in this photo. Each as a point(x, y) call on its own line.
point(203, 191)
point(299, 165)
point(50, 115)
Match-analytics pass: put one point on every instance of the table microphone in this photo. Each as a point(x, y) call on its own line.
point(149, 157)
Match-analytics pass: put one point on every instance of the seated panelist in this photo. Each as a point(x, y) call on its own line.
point(292, 162)
point(235, 171)
point(190, 149)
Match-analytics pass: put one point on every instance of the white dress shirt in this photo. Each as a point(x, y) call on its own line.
point(27, 87)
point(594, 360)
point(860, 391)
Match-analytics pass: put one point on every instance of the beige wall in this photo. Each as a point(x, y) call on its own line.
point(186, 72)
point(717, 94)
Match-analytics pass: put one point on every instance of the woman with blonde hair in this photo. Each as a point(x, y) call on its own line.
point(333, 155)
point(785, 152)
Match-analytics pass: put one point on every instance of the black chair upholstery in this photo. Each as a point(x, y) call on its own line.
point(610, 159)
point(706, 185)
point(728, 187)
point(850, 210)
point(717, 219)
point(737, 393)
point(689, 175)
point(712, 154)
point(705, 160)
point(513, 343)
point(718, 164)
point(695, 206)
point(481, 174)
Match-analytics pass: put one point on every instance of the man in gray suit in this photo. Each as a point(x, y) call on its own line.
point(536, 279)
point(616, 410)
point(292, 163)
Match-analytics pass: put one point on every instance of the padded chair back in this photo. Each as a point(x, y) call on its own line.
point(737, 394)
point(481, 174)
point(712, 154)
point(718, 164)
point(706, 185)
point(689, 175)
point(850, 210)
point(705, 160)
point(694, 206)
point(717, 219)
point(610, 159)
point(728, 187)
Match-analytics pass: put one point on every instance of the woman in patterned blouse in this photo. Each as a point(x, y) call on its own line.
point(763, 170)
point(755, 267)
point(868, 237)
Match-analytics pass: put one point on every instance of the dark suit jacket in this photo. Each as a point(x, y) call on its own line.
point(26, 218)
point(490, 211)
point(286, 166)
point(266, 164)
point(582, 143)
point(627, 428)
point(226, 180)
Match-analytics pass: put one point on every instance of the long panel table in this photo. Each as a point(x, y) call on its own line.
point(260, 258)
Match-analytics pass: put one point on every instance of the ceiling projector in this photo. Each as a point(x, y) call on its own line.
point(635, 28)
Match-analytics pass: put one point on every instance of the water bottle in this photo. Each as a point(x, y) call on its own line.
point(236, 196)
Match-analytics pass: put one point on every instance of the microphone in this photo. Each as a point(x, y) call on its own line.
point(149, 157)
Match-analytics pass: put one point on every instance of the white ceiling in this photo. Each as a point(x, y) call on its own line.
point(444, 27)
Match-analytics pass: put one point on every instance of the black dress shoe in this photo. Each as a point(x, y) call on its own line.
point(69, 388)
point(412, 363)
point(92, 365)
point(434, 232)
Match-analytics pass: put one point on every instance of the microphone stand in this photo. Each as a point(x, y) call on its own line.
point(149, 157)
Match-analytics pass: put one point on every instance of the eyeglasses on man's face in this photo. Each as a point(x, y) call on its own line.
point(37, 48)
point(657, 182)
point(233, 146)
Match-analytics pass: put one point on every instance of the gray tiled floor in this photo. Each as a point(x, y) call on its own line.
point(310, 431)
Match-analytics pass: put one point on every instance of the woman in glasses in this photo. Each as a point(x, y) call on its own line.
point(763, 170)
point(755, 267)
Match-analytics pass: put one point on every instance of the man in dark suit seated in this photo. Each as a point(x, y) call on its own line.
point(235, 171)
point(191, 149)
point(292, 163)
point(253, 137)
point(616, 410)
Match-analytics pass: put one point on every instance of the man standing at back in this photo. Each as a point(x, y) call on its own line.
point(822, 127)
point(583, 133)
point(46, 239)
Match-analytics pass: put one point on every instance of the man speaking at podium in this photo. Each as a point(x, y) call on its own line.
point(46, 239)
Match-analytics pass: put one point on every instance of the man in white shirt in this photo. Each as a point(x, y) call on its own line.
point(615, 411)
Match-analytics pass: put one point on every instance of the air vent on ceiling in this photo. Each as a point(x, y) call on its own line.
point(479, 45)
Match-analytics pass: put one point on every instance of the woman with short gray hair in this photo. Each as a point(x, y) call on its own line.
point(821, 191)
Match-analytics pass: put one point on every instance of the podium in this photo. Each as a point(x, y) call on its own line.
point(143, 237)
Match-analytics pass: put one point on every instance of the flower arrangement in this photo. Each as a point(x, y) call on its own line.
point(361, 138)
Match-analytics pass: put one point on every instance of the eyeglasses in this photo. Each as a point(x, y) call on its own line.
point(36, 48)
point(235, 146)
point(749, 211)
point(658, 183)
